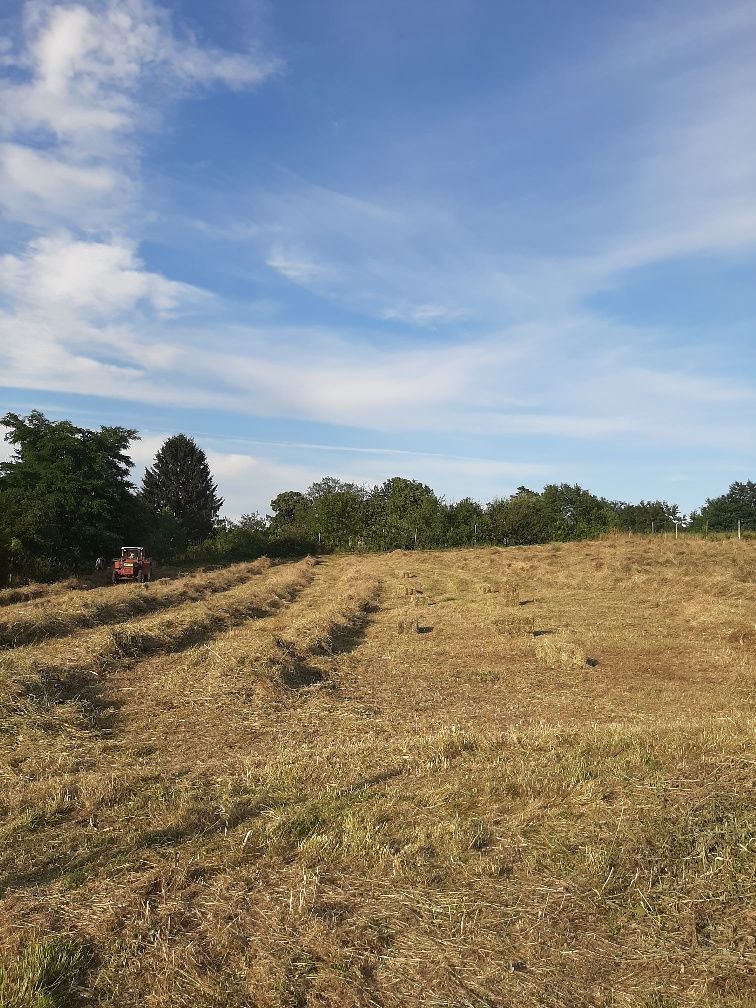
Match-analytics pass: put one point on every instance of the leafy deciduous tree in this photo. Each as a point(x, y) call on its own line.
point(65, 494)
point(737, 505)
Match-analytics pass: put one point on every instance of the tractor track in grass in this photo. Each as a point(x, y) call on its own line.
point(28, 624)
point(75, 669)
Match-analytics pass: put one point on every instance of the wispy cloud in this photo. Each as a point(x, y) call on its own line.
point(86, 65)
point(295, 266)
point(82, 84)
point(80, 87)
point(456, 278)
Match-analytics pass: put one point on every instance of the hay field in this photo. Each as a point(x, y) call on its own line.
point(470, 779)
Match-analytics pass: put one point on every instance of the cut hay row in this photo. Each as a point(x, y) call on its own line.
point(31, 624)
point(31, 592)
point(352, 596)
point(67, 670)
point(204, 703)
point(278, 656)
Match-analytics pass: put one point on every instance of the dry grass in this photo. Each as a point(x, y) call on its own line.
point(30, 592)
point(561, 652)
point(72, 610)
point(37, 679)
point(345, 607)
point(307, 809)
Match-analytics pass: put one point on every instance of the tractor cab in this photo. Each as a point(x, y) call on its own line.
point(132, 565)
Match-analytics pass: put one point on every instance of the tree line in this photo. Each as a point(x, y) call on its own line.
point(66, 497)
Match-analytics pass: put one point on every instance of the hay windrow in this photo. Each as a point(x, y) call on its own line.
point(60, 670)
point(345, 608)
point(34, 591)
point(63, 615)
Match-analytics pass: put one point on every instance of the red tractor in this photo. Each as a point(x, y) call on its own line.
point(132, 565)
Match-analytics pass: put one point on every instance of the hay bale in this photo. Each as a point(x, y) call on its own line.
point(557, 651)
point(515, 625)
point(408, 625)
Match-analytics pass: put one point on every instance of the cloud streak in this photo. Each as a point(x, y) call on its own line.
point(462, 285)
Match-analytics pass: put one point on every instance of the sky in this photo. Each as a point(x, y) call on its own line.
point(472, 242)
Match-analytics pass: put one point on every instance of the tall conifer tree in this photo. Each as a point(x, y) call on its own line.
point(180, 483)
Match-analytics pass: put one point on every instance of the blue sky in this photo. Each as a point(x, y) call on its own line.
point(477, 243)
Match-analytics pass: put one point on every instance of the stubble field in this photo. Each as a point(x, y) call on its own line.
point(470, 779)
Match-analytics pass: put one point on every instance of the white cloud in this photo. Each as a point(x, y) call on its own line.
point(87, 64)
point(294, 267)
point(45, 190)
point(87, 78)
point(76, 301)
point(422, 314)
point(523, 354)
point(662, 166)
point(246, 482)
point(102, 279)
point(35, 172)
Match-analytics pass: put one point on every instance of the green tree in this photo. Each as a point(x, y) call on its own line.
point(647, 516)
point(292, 512)
point(575, 513)
point(233, 541)
point(520, 520)
point(180, 484)
point(738, 504)
point(403, 514)
point(290, 528)
point(467, 523)
point(65, 495)
point(337, 514)
point(159, 532)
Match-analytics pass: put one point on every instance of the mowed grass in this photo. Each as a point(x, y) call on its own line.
point(475, 778)
point(65, 612)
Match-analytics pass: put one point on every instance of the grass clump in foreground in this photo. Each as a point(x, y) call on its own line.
point(45, 975)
